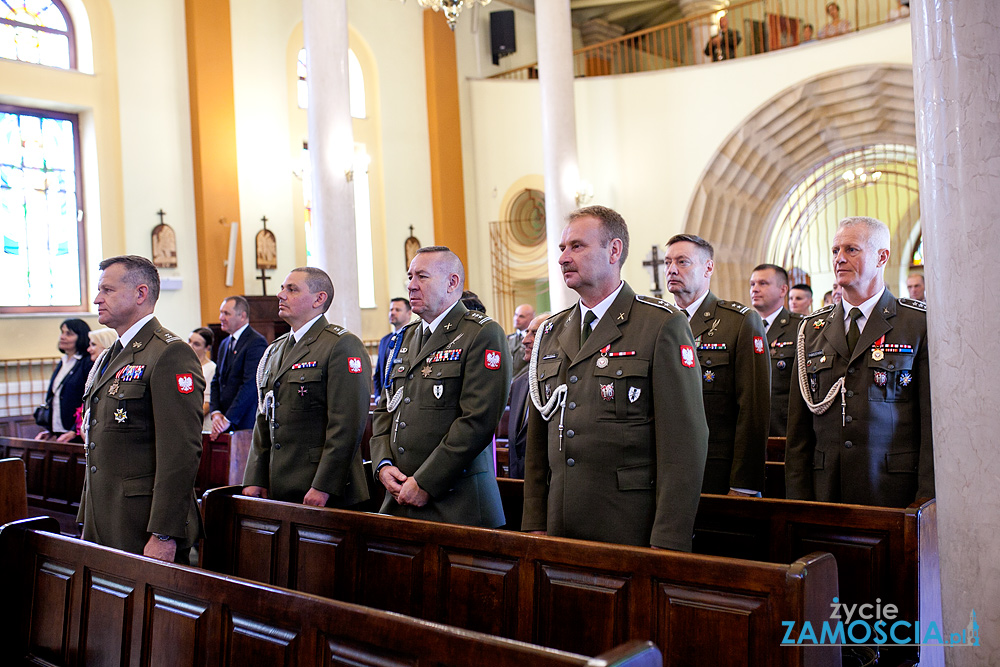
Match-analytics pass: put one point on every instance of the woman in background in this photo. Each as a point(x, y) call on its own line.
point(100, 340)
point(200, 341)
point(65, 393)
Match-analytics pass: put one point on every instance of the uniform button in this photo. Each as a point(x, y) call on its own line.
point(708, 362)
point(570, 462)
point(572, 406)
point(93, 468)
point(277, 445)
point(93, 422)
point(302, 378)
point(96, 399)
point(406, 400)
point(848, 444)
point(542, 374)
point(618, 372)
point(276, 426)
point(277, 404)
point(402, 424)
point(410, 376)
point(401, 450)
point(850, 371)
point(438, 374)
point(91, 445)
point(848, 419)
point(570, 433)
point(277, 384)
point(850, 394)
point(573, 379)
point(892, 366)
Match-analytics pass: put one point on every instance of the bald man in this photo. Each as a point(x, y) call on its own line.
point(523, 315)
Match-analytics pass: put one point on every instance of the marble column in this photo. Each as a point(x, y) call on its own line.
point(331, 155)
point(562, 171)
point(956, 73)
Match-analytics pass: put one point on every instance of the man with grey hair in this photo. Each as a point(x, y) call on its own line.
point(314, 387)
point(868, 357)
point(447, 380)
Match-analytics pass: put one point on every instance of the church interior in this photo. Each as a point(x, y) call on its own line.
point(182, 132)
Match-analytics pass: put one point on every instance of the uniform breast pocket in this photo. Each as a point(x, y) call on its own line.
point(129, 407)
point(892, 378)
point(548, 377)
point(443, 386)
point(306, 389)
point(819, 370)
point(716, 371)
point(625, 389)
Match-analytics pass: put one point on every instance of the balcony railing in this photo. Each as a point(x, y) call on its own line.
point(757, 26)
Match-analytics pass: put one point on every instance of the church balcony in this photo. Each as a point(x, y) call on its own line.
point(754, 27)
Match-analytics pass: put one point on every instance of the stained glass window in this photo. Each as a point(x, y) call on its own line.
point(356, 81)
point(39, 210)
point(918, 253)
point(37, 31)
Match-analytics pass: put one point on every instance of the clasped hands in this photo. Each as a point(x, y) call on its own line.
point(403, 489)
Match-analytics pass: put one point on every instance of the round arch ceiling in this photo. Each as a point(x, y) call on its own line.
point(737, 199)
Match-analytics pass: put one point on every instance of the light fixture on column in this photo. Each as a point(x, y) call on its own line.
point(451, 8)
point(584, 193)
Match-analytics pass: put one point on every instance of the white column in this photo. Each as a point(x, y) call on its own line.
point(331, 154)
point(956, 74)
point(562, 171)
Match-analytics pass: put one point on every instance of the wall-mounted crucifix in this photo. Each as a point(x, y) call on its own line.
point(267, 254)
point(654, 263)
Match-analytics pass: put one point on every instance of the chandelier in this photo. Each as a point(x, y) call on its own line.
point(451, 8)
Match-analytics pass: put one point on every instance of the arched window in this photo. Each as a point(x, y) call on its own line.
point(40, 211)
point(37, 31)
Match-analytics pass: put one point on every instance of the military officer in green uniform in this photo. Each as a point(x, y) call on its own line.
point(768, 287)
point(617, 436)
point(143, 417)
point(314, 386)
point(859, 414)
point(735, 370)
point(446, 385)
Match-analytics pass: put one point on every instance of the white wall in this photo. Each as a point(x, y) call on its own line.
point(645, 139)
point(155, 124)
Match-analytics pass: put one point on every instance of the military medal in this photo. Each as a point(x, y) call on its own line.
point(113, 389)
point(813, 383)
point(121, 415)
point(438, 391)
point(426, 371)
point(548, 392)
point(709, 376)
point(302, 390)
point(877, 354)
point(905, 379)
point(881, 377)
point(602, 362)
point(819, 324)
point(608, 392)
point(136, 345)
point(633, 394)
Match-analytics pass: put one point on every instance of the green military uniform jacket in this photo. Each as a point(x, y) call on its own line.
point(736, 382)
point(628, 465)
point(873, 445)
point(308, 430)
point(781, 343)
point(144, 443)
point(454, 391)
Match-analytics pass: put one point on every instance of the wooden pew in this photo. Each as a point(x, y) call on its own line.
point(74, 603)
point(55, 472)
point(580, 596)
point(882, 552)
point(13, 492)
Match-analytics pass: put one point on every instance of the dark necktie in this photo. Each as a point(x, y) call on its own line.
point(425, 334)
point(588, 321)
point(290, 343)
point(853, 333)
point(115, 349)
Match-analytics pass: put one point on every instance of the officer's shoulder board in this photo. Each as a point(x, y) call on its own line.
point(167, 336)
point(734, 305)
point(336, 329)
point(822, 311)
point(912, 303)
point(659, 303)
point(476, 316)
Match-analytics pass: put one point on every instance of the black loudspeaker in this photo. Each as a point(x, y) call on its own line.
point(502, 34)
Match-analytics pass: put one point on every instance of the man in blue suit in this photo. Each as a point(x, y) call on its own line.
point(400, 315)
point(233, 403)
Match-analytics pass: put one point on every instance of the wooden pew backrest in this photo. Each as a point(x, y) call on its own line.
point(13, 492)
point(568, 594)
point(75, 603)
